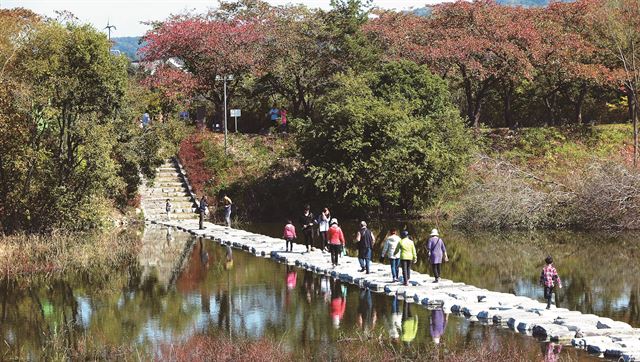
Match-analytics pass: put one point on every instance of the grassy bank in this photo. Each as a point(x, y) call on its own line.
point(578, 178)
point(574, 177)
point(220, 348)
point(60, 253)
point(262, 174)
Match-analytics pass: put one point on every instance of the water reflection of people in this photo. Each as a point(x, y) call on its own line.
point(325, 288)
point(228, 259)
point(169, 236)
point(204, 255)
point(395, 324)
point(309, 287)
point(291, 280)
point(409, 324)
point(338, 304)
point(438, 325)
point(551, 352)
point(367, 317)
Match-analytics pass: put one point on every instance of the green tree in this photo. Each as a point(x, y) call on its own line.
point(388, 141)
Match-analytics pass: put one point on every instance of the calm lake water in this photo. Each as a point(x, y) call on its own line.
point(164, 299)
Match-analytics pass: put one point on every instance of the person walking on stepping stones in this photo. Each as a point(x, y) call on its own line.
point(307, 221)
point(365, 240)
point(336, 241)
point(202, 208)
point(549, 278)
point(437, 253)
point(227, 209)
point(389, 250)
point(407, 250)
point(289, 235)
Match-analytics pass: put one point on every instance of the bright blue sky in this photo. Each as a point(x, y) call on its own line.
point(126, 15)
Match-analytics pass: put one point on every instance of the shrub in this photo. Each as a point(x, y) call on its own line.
point(380, 147)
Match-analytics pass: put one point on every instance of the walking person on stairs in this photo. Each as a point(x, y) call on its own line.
point(202, 209)
point(167, 208)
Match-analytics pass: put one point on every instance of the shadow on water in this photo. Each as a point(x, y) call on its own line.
point(181, 287)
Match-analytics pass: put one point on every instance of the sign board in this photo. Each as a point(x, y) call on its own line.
point(235, 112)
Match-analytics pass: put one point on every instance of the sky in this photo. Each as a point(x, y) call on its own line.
point(127, 15)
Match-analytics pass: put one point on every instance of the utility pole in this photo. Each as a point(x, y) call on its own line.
point(109, 27)
point(225, 114)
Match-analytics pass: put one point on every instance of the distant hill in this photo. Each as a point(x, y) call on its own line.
point(426, 11)
point(128, 45)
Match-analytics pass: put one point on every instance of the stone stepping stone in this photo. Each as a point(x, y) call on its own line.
point(552, 332)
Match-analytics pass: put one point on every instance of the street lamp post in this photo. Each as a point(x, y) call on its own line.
point(225, 78)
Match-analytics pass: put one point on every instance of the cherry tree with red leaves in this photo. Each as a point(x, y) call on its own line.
point(481, 44)
point(571, 63)
point(210, 47)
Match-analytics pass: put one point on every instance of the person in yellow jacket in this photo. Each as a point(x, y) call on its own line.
point(408, 255)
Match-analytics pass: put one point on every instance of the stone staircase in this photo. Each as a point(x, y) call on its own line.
point(168, 184)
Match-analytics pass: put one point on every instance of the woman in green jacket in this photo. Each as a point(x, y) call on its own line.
point(407, 250)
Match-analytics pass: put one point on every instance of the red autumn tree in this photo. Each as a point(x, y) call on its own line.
point(210, 46)
point(570, 63)
point(480, 44)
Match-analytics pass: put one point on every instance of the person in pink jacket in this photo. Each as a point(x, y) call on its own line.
point(289, 235)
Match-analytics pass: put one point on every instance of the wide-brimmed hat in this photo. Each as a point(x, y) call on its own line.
point(434, 232)
point(333, 221)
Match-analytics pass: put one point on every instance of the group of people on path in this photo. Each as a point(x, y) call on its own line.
point(278, 118)
point(400, 250)
point(203, 210)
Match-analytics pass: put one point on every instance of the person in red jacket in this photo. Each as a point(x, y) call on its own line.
point(335, 236)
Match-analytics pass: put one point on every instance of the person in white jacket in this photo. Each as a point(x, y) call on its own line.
point(389, 251)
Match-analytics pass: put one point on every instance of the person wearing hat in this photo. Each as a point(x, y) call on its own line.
point(335, 237)
point(437, 253)
point(407, 250)
point(365, 240)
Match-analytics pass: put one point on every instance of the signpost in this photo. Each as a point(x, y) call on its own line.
point(235, 113)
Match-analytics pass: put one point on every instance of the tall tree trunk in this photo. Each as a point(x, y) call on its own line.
point(476, 115)
point(633, 115)
point(580, 102)
point(508, 97)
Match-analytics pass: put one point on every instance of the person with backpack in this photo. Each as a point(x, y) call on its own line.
point(389, 251)
point(336, 241)
point(289, 234)
point(437, 253)
point(365, 240)
point(549, 278)
point(407, 250)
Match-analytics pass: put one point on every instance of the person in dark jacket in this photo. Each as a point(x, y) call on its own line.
point(202, 208)
point(365, 240)
point(307, 221)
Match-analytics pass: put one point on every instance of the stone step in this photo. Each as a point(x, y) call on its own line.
point(160, 198)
